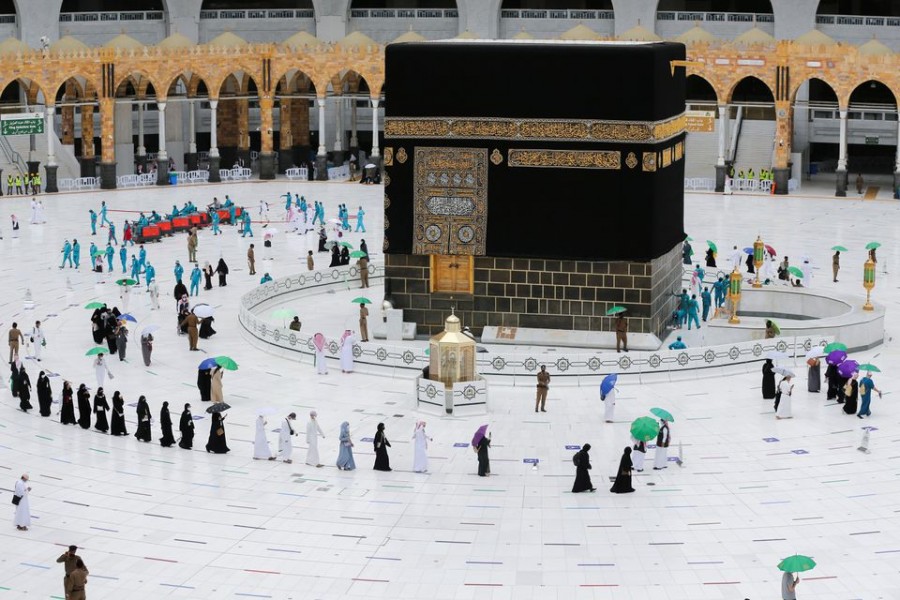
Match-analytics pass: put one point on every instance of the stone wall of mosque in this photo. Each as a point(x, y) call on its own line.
point(540, 293)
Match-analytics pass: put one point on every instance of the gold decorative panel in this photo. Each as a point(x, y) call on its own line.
point(450, 201)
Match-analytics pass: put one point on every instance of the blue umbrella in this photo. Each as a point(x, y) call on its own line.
point(608, 383)
point(209, 363)
point(127, 318)
point(748, 250)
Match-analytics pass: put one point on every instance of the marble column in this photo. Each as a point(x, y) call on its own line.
point(88, 152)
point(191, 159)
point(142, 149)
point(108, 143)
point(897, 165)
point(51, 167)
point(322, 155)
point(354, 140)
point(214, 142)
point(841, 173)
point(721, 167)
point(162, 157)
point(285, 137)
point(376, 153)
point(339, 131)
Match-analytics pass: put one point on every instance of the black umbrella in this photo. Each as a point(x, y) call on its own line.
point(218, 407)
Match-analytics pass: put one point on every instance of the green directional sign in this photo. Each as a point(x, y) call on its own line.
point(22, 124)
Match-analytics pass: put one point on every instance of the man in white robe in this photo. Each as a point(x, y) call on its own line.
point(37, 340)
point(609, 406)
point(23, 509)
point(737, 258)
point(420, 453)
point(313, 432)
point(285, 438)
point(261, 449)
point(347, 341)
point(319, 344)
point(662, 446)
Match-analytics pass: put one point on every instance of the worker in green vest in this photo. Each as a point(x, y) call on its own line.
point(9, 184)
point(19, 184)
point(36, 182)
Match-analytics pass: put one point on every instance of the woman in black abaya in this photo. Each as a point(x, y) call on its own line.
point(186, 427)
point(381, 443)
point(24, 385)
point(45, 394)
point(67, 411)
point(118, 415)
point(217, 444)
point(622, 484)
point(84, 407)
point(768, 380)
point(143, 417)
point(582, 466)
point(165, 423)
point(101, 407)
point(203, 384)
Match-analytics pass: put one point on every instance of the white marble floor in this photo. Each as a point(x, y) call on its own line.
point(163, 522)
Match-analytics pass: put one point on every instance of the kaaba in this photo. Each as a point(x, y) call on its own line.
point(534, 184)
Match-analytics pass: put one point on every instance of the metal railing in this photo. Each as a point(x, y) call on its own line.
point(857, 20)
point(572, 13)
point(300, 13)
point(107, 16)
point(715, 17)
point(12, 157)
point(404, 13)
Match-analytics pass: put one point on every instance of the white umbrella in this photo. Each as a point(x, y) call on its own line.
point(815, 352)
point(371, 166)
point(266, 410)
point(784, 372)
point(271, 231)
point(203, 311)
point(776, 355)
point(148, 330)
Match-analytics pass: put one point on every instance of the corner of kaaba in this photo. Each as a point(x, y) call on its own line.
point(534, 184)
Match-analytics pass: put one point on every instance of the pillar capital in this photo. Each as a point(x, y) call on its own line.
point(214, 104)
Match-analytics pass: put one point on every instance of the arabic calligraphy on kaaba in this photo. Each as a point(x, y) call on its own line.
point(566, 159)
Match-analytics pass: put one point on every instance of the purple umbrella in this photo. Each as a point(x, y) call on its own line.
point(848, 368)
point(479, 435)
point(836, 357)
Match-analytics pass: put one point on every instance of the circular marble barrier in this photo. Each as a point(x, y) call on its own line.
point(823, 319)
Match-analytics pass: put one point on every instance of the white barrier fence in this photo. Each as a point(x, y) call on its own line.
point(699, 183)
point(235, 174)
point(510, 367)
point(82, 183)
point(301, 173)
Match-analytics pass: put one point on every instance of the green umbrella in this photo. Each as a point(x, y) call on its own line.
point(644, 429)
point(616, 310)
point(663, 414)
point(839, 249)
point(126, 282)
point(797, 564)
point(427, 351)
point(713, 246)
point(361, 300)
point(93, 305)
point(357, 254)
point(346, 245)
point(689, 239)
point(96, 350)
point(226, 363)
point(98, 253)
point(775, 327)
point(873, 245)
point(869, 367)
point(796, 272)
point(283, 313)
point(835, 346)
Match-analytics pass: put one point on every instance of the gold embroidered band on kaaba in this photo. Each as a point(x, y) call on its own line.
point(645, 132)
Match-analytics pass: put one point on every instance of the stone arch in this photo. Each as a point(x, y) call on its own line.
point(699, 84)
point(295, 80)
point(825, 80)
point(752, 85)
point(86, 86)
point(32, 89)
point(140, 81)
point(871, 91)
point(344, 79)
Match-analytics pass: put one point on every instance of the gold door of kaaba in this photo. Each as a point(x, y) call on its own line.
point(452, 274)
point(450, 200)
